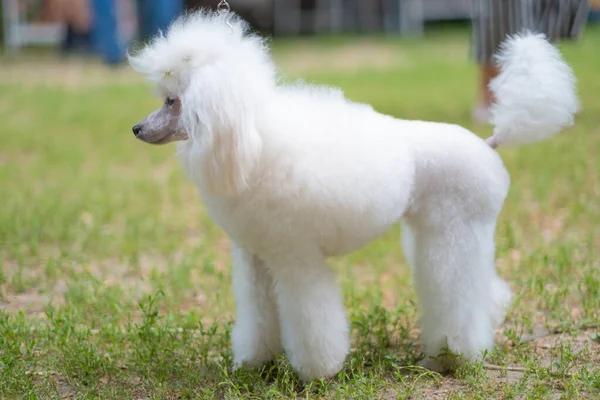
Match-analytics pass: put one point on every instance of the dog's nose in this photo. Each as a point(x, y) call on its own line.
point(136, 129)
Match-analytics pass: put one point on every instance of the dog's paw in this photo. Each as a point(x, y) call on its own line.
point(253, 348)
point(432, 364)
point(252, 354)
point(501, 296)
point(318, 356)
point(441, 364)
point(310, 373)
point(245, 359)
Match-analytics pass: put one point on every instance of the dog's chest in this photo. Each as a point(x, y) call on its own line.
point(250, 225)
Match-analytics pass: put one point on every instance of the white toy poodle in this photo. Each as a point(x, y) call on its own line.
point(295, 174)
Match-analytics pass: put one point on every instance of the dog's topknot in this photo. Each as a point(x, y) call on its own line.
point(196, 40)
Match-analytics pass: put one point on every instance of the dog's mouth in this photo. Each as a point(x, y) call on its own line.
point(175, 137)
point(164, 140)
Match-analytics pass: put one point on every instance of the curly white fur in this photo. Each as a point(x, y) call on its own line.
point(295, 174)
point(535, 96)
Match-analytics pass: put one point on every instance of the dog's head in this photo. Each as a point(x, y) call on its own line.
point(206, 69)
point(213, 76)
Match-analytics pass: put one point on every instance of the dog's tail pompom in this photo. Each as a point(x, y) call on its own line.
point(535, 91)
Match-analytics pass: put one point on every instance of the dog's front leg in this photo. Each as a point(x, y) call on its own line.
point(312, 315)
point(256, 336)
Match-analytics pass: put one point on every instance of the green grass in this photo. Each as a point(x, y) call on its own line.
point(115, 284)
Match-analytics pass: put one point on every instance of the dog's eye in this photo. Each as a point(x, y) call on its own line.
point(169, 101)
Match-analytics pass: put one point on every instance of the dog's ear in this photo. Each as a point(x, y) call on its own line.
point(219, 116)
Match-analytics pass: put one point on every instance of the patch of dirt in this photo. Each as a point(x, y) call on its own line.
point(505, 376)
point(135, 280)
point(441, 391)
point(33, 301)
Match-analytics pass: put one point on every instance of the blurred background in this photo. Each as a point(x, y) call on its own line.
point(107, 27)
point(94, 223)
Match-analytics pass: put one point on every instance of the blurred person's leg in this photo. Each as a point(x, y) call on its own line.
point(563, 19)
point(493, 20)
point(78, 14)
point(76, 17)
point(157, 15)
point(105, 31)
point(68, 42)
point(144, 12)
point(165, 12)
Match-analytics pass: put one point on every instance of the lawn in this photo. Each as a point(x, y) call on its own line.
point(115, 284)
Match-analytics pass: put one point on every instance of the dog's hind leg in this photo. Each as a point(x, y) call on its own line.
point(313, 321)
point(256, 334)
point(462, 298)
